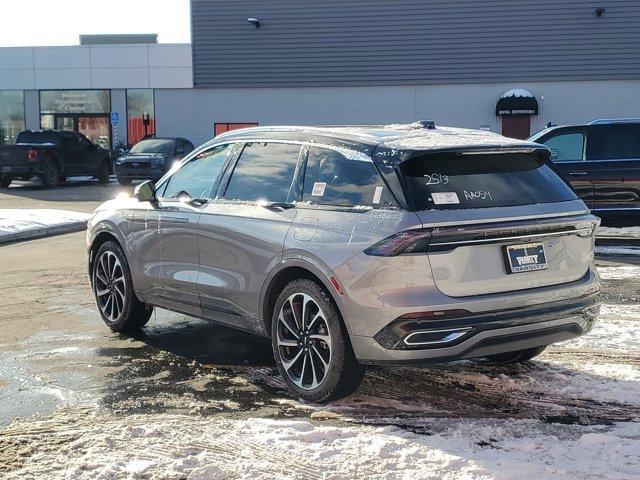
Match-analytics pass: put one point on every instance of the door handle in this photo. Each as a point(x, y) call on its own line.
point(174, 219)
point(578, 174)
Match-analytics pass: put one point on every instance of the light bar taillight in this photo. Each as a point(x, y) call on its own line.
point(409, 241)
point(32, 155)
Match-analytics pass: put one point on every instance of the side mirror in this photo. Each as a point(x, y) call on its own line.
point(145, 192)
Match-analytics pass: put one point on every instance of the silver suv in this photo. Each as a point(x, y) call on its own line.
point(406, 244)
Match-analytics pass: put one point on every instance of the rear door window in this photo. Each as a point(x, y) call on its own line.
point(443, 182)
point(264, 171)
point(614, 142)
point(333, 179)
point(567, 147)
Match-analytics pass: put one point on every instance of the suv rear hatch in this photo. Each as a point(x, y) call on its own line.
point(498, 222)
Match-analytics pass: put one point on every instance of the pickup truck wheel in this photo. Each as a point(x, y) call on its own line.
point(50, 175)
point(105, 171)
point(124, 181)
point(5, 181)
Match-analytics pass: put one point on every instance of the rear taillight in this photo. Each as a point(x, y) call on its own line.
point(32, 155)
point(410, 241)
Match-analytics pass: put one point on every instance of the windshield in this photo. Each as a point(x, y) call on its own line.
point(153, 146)
point(445, 182)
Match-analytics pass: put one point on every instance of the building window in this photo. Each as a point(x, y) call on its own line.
point(141, 119)
point(219, 128)
point(11, 115)
point(84, 111)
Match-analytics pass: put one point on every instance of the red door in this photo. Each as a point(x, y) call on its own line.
point(517, 127)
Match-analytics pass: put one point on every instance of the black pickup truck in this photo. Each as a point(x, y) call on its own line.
point(52, 156)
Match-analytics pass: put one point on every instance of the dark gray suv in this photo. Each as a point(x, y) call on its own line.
point(352, 246)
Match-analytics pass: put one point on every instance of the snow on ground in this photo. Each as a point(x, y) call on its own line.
point(619, 273)
point(182, 446)
point(621, 250)
point(631, 232)
point(22, 223)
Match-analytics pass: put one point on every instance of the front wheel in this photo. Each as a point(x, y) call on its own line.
point(117, 303)
point(124, 181)
point(5, 181)
point(519, 356)
point(311, 346)
point(105, 171)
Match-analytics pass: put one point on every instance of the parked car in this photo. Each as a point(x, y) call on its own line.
point(151, 158)
point(601, 160)
point(53, 156)
point(356, 246)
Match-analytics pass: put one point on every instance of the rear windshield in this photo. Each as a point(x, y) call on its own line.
point(444, 182)
point(153, 146)
point(38, 138)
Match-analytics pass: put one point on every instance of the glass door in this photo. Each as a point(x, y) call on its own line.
point(97, 129)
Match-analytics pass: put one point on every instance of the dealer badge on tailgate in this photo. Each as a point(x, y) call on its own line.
point(527, 257)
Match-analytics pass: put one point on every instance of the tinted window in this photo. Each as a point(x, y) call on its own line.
point(264, 172)
point(196, 178)
point(567, 147)
point(480, 181)
point(614, 142)
point(153, 146)
point(333, 179)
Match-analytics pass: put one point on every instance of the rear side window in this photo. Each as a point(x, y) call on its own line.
point(264, 172)
point(445, 182)
point(566, 147)
point(614, 142)
point(333, 179)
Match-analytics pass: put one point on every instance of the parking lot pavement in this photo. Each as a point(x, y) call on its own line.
point(188, 399)
point(82, 194)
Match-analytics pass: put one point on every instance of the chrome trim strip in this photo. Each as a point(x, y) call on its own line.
point(582, 232)
point(454, 335)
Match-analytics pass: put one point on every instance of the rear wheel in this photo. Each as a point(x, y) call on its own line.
point(105, 171)
point(117, 303)
point(519, 356)
point(50, 175)
point(5, 181)
point(124, 181)
point(311, 346)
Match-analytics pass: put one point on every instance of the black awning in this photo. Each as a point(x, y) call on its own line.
point(517, 101)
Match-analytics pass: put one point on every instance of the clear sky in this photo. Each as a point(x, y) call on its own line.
point(59, 22)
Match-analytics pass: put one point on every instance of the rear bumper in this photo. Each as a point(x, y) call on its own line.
point(477, 335)
point(18, 170)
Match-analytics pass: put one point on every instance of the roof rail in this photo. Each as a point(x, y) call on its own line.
point(608, 121)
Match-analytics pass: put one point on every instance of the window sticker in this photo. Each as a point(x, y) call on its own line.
point(445, 198)
point(318, 189)
point(377, 195)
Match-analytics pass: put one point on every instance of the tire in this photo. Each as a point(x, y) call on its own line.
point(329, 353)
point(105, 171)
point(112, 287)
point(50, 175)
point(5, 181)
point(519, 356)
point(124, 181)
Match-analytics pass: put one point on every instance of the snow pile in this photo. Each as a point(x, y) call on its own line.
point(92, 446)
point(19, 224)
point(627, 232)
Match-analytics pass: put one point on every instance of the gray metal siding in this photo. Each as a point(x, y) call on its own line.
point(387, 42)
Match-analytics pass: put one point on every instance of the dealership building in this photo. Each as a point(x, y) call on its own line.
point(506, 66)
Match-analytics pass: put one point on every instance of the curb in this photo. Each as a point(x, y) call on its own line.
point(43, 232)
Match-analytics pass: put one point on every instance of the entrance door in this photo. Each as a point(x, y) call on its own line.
point(96, 127)
point(517, 127)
